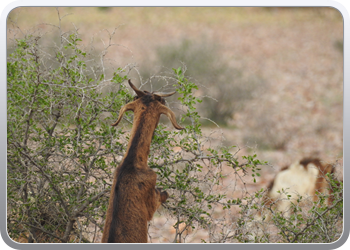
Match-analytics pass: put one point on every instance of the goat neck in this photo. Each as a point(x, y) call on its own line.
point(145, 121)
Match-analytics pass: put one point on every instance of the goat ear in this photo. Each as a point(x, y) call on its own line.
point(170, 114)
point(129, 106)
point(137, 91)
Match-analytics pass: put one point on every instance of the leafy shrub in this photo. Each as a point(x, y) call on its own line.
point(60, 153)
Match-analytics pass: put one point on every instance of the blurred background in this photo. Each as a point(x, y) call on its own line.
point(270, 77)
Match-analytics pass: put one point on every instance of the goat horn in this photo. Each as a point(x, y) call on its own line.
point(129, 106)
point(170, 114)
point(137, 91)
point(161, 94)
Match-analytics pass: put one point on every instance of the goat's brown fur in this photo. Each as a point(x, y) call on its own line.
point(321, 183)
point(134, 198)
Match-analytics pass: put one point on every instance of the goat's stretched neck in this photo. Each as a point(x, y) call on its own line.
point(140, 140)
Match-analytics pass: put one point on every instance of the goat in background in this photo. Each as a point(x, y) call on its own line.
point(134, 198)
point(304, 177)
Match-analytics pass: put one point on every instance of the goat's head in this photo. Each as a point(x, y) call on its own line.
point(152, 103)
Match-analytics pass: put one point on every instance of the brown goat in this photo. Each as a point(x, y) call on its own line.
point(134, 198)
